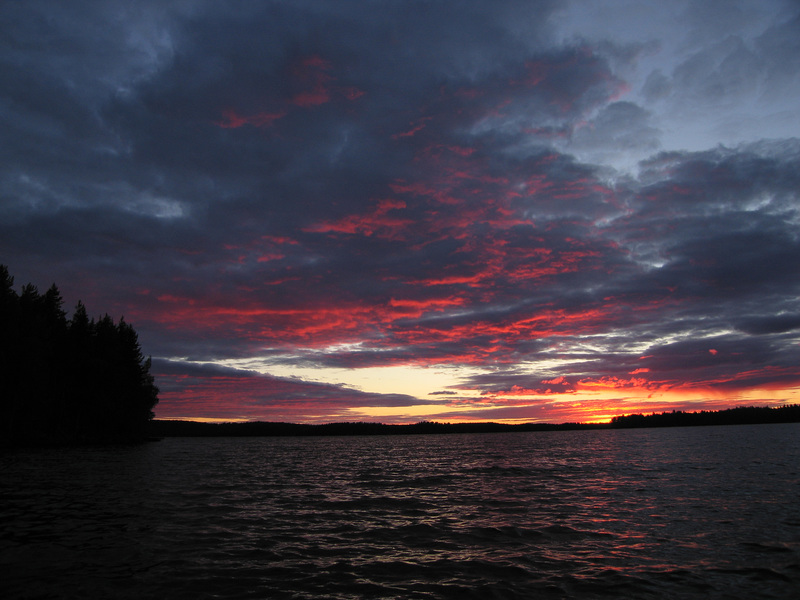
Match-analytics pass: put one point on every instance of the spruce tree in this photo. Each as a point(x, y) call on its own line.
point(69, 381)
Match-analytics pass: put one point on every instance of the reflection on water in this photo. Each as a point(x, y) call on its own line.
point(688, 512)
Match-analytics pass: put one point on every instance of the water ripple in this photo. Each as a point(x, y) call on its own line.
point(690, 513)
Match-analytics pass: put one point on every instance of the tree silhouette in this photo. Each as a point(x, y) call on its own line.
point(63, 381)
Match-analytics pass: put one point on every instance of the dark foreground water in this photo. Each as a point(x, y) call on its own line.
point(706, 512)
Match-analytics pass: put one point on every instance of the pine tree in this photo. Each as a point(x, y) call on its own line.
point(9, 344)
point(69, 381)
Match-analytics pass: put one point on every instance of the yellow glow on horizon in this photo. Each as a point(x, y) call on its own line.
point(404, 379)
point(422, 411)
point(593, 400)
point(412, 380)
point(773, 396)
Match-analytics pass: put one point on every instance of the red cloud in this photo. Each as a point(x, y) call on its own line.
point(263, 249)
point(417, 308)
point(351, 93)
point(319, 95)
point(377, 222)
point(415, 128)
point(312, 72)
point(311, 78)
point(612, 382)
point(233, 120)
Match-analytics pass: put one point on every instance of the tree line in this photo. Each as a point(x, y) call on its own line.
point(740, 415)
point(789, 413)
point(76, 380)
point(179, 428)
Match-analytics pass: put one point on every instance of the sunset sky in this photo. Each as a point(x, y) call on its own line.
point(318, 211)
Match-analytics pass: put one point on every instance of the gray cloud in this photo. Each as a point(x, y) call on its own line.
point(336, 187)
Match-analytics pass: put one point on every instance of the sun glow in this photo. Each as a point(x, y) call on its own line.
point(409, 393)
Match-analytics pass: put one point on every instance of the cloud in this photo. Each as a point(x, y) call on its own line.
point(620, 129)
point(191, 390)
point(496, 190)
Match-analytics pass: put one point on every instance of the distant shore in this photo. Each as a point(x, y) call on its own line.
point(734, 416)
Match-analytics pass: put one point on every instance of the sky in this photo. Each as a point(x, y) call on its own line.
point(395, 211)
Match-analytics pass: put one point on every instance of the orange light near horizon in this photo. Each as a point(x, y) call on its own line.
point(595, 404)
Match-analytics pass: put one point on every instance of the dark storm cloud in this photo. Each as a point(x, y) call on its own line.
point(324, 185)
point(765, 325)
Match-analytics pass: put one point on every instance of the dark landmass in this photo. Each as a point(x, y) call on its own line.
point(68, 381)
point(734, 416)
point(160, 428)
point(742, 415)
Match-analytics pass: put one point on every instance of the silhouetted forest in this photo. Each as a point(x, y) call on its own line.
point(175, 428)
point(742, 415)
point(77, 380)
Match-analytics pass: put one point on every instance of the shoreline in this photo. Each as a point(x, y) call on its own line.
point(749, 415)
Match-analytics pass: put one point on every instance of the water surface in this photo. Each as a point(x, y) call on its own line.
point(649, 513)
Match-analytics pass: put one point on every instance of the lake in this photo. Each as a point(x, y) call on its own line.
point(701, 512)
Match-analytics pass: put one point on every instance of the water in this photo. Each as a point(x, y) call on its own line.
point(707, 512)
